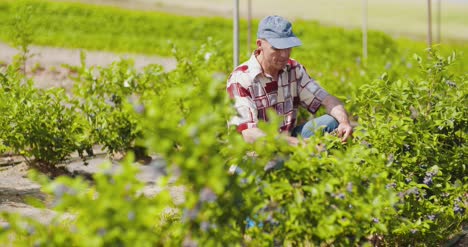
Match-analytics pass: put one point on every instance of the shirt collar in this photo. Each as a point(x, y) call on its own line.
point(255, 68)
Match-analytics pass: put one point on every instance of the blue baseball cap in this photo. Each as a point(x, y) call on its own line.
point(278, 32)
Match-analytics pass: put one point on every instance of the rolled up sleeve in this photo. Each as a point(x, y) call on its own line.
point(311, 95)
point(246, 109)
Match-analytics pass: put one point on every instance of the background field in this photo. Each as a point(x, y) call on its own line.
point(396, 17)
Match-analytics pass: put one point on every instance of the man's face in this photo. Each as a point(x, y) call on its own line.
point(274, 58)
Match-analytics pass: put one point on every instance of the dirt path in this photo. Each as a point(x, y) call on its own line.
point(16, 187)
point(45, 66)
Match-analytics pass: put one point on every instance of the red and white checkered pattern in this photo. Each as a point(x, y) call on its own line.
point(254, 92)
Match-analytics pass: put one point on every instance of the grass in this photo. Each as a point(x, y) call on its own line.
point(395, 17)
point(107, 28)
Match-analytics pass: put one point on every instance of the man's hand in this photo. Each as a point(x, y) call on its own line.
point(293, 141)
point(345, 130)
point(336, 109)
point(252, 134)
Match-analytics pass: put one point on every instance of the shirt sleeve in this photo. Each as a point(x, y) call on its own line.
point(311, 95)
point(238, 90)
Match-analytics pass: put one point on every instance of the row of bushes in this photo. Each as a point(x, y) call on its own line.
point(331, 55)
point(400, 181)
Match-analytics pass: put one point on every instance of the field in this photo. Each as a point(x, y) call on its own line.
point(398, 18)
point(146, 83)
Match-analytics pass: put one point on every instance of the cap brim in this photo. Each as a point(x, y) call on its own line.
point(284, 43)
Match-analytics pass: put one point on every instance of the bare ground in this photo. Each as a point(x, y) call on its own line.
point(16, 189)
point(45, 64)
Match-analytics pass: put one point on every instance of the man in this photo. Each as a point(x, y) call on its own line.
point(270, 79)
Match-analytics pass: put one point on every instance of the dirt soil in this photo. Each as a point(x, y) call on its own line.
point(45, 65)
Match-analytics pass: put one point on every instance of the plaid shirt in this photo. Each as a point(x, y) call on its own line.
point(254, 92)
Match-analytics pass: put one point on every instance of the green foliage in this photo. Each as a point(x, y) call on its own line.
point(101, 93)
point(335, 194)
point(39, 124)
point(331, 55)
point(387, 183)
point(111, 212)
point(113, 98)
point(21, 31)
point(108, 28)
point(402, 179)
point(326, 193)
point(420, 125)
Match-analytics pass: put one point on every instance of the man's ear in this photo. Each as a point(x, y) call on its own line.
point(259, 43)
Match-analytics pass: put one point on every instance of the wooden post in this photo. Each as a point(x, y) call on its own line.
point(429, 24)
point(249, 26)
point(236, 33)
point(364, 31)
point(439, 10)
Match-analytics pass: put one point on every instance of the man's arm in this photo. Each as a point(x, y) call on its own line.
point(312, 96)
point(336, 109)
point(251, 135)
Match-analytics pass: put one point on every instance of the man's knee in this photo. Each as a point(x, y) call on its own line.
point(326, 123)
